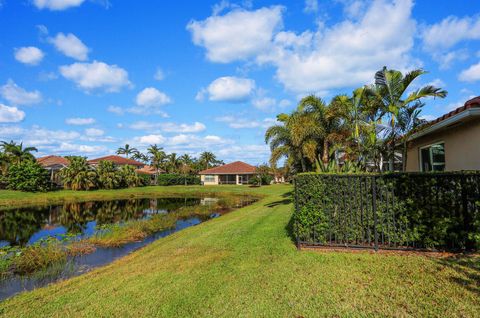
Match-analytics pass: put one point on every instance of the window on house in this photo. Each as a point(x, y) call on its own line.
point(432, 158)
point(209, 178)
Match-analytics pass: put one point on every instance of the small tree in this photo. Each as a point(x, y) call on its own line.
point(108, 175)
point(28, 176)
point(128, 177)
point(79, 175)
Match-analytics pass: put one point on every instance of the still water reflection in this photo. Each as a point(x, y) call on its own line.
point(24, 226)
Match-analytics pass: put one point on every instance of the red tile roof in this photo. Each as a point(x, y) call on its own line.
point(433, 125)
point(472, 103)
point(117, 160)
point(48, 161)
point(237, 167)
point(148, 170)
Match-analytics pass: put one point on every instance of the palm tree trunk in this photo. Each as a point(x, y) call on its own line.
point(325, 152)
point(302, 161)
point(404, 156)
point(392, 153)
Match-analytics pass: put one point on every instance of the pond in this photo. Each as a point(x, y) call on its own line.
point(21, 228)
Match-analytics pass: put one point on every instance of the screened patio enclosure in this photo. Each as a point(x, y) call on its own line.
point(234, 178)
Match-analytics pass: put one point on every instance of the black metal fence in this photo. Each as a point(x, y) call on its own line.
point(389, 211)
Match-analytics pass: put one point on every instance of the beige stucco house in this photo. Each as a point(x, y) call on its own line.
point(237, 172)
point(448, 143)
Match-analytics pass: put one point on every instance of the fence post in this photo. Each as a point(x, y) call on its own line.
point(467, 217)
point(374, 209)
point(296, 209)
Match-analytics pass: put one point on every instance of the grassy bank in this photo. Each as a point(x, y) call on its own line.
point(245, 264)
point(10, 198)
point(45, 253)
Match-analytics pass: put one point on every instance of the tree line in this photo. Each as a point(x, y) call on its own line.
point(157, 158)
point(366, 130)
point(19, 169)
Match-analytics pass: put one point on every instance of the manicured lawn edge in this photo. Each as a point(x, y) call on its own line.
point(246, 264)
point(10, 198)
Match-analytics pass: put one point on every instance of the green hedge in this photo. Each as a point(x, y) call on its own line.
point(177, 179)
point(28, 176)
point(419, 210)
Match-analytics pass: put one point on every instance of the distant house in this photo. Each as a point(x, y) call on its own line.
point(150, 171)
point(448, 143)
point(53, 164)
point(237, 172)
point(117, 161)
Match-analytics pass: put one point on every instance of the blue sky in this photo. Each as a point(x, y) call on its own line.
point(87, 76)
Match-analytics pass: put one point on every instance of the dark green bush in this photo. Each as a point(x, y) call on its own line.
point(422, 210)
point(260, 180)
point(177, 179)
point(28, 176)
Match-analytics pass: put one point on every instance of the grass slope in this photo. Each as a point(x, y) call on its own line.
point(245, 264)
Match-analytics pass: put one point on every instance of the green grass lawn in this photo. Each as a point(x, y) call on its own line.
point(245, 264)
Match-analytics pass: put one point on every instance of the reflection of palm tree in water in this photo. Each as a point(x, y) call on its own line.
point(121, 210)
point(17, 226)
point(75, 216)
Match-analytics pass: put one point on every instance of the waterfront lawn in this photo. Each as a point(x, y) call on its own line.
point(245, 264)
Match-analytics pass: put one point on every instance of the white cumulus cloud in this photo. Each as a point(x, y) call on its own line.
point(94, 132)
point(57, 5)
point(96, 75)
point(29, 55)
point(151, 96)
point(239, 34)
point(471, 74)
point(78, 121)
point(228, 89)
point(450, 31)
point(16, 95)
point(70, 46)
point(264, 103)
point(169, 127)
point(151, 139)
point(10, 114)
point(344, 54)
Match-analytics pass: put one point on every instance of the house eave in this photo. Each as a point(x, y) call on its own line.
point(447, 122)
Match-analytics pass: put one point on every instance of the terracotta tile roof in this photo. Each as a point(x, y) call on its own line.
point(472, 103)
point(237, 167)
point(117, 160)
point(48, 161)
point(148, 170)
point(428, 126)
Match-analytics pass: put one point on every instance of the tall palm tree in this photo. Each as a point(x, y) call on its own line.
point(408, 121)
point(173, 162)
point(391, 88)
point(79, 175)
point(329, 129)
point(207, 158)
point(157, 159)
point(16, 152)
point(140, 157)
point(127, 150)
point(280, 138)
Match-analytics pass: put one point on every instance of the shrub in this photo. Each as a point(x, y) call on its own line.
point(27, 176)
point(177, 179)
point(421, 210)
point(109, 176)
point(258, 180)
point(128, 177)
